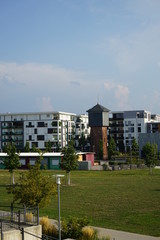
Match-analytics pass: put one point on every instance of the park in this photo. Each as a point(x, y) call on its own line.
point(125, 200)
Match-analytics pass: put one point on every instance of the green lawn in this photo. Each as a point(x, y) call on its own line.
point(123, 200)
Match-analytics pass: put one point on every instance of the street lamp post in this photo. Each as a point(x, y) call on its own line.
point(58, 182)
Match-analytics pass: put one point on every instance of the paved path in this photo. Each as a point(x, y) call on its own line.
point(120, 235)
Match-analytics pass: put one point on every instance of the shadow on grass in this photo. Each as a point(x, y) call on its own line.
point(156, 190)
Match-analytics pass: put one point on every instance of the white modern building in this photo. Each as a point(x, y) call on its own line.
point(41, 127)
point(127, 125)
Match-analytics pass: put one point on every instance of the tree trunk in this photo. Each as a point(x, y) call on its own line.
point(12, 178)
point(150, 170)
point(69, 178)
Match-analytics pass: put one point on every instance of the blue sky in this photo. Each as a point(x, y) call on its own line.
point(65, 55)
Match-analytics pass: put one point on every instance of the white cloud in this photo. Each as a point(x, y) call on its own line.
point(120, 93)
point(33, 74)
point(44, 104)
point(109, 85)
point(135, 51)
point(122, 96)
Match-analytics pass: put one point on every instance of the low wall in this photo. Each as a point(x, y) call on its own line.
point(17, 235)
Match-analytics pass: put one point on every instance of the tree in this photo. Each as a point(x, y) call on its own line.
point(27, 148)
point(34, 188)
point(111, 148)
point(34, 149)
point(135, 147)
point(12, 160)
point(149, 153)
point(100, 152)
point(48, 146)
point(82, 142)
point(70, 159)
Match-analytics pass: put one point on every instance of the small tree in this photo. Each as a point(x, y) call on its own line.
point(33, 188)
point(27, 148)
point(34, 149)
point(48, 146)
point(12, 160)
point(70, 159)
point(100, 150)
point(135, 147)
point(111, 148)
point(82, 142)
point(149, 153)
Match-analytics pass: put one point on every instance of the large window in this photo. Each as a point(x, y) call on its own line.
point(40, 137)
point(50, 130)
point(40, 124)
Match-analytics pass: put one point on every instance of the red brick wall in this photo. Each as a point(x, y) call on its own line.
point(97, 134)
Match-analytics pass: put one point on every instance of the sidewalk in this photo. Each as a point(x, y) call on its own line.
point(120, 235)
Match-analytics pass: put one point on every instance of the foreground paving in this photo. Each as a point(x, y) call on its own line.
point(120, 235)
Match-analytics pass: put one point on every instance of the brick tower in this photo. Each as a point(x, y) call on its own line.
point(99, 121)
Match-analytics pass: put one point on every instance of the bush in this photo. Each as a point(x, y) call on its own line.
point(29, 217)
point(88, 233)
point(48, 228)
point(73, 228)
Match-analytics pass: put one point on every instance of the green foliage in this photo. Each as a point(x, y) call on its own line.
point(82, 142)
point(111, 148)
point(48, 146)
point(48, 228)
point(135, 147)
point(73, 227)
point(149, 153)
point(34, 149)
point(70, 158)
point(34, 188)
point(27, 148)
point(12, 161)
point(100, 149)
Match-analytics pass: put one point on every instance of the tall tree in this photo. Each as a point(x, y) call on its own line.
point(100, 152)
point(149, 153)
point(82, 142)
point(70, 159)
point(12, 160)
point(34, 188)
point(111, 148)
point(48, 146)
point(27, 148)
point(135, 147)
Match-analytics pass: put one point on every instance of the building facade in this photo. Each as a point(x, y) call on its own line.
point(127, 125)
point(37, 129)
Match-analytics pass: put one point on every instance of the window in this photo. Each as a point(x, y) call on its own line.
point(139, 129)
point(40, 124)
point(30, 137)
point(40, 137)
point(54, 123)
point(35, 144)
point(35, 131)
point(50, 130)
point(22, 162)
point(55, 162)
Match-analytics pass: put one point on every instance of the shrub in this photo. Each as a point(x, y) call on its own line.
point(73, 228)
point(48, 228)
point(29, 217)
point(88, 233)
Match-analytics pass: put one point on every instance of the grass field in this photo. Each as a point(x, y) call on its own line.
point(123, 200)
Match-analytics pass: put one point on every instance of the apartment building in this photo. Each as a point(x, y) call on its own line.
point(127, 125)
point(40, 127)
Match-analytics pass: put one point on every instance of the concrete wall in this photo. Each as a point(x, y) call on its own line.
point(16, 234)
